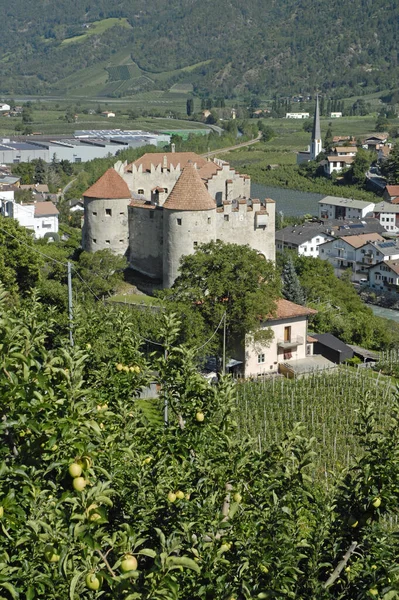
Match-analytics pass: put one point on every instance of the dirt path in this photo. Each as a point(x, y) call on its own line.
point(223, 150)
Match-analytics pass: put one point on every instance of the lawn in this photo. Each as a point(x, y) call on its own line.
point(96, 28)
point(135, 299)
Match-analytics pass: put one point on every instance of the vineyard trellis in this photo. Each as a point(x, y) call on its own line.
point(327, 405)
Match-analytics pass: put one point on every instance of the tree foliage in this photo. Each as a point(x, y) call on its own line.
point(205, 513)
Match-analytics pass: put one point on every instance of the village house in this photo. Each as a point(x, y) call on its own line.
point(388, 215)
point(371, 142)
point(5, 107)
point(344, 151)
point(385, 276)
point(391, 194)
point(306, 239)
point(297, 115)
point(336, 163)
point(331, 207)
point(335, 115)
point(358, 253)
point(39, 217)
point(289, 342)
point(108, 114)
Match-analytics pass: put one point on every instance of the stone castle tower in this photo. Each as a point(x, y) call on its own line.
point(174, 203)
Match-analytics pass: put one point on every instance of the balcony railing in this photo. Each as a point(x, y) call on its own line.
point(296, 340)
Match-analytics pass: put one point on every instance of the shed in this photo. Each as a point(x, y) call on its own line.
point(331, 348)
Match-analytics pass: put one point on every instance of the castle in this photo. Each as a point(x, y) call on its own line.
point(164, 205)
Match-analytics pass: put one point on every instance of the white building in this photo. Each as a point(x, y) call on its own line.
point(5, 107)
point(39, 217)
point(335, 163)
point(358, 253)
point(289, 342)
point(304, 239)
point(331, 207)
point(388, 216)
point(385, 276)
point(335, 115)
point(298, 115)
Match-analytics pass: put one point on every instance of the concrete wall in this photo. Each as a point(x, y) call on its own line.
point(146, 240)
point(245, 222)
point(272, 353)
point(45, 225)
point(183, 231)
point(102, 230)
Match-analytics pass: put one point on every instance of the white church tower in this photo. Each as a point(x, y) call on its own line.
point(315, 144)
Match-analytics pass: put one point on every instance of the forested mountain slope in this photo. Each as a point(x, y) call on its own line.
point(259, 45)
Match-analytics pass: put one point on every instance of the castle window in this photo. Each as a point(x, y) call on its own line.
point(108, 212)
point(261, 358)
point(226, 217)
point(107, 242)
point(151, 215)
point(121, 241)
point(209, 220)
point(140, 191)
point(165, 190)
point(94, 241)
point(121, 213)
point(94, 213)
point(179, 221)
point(195, 244)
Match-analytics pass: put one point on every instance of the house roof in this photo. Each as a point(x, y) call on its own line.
point(357, 241)
point(393, 190)
point(110, 185)
point(169, 158)
point(345, 149)
point(299, 234)
point(328, 339)
point(346, 227)
point(349, 202)
point(189, 192)
point(336, 158)
point(392, 264)
point(209, 170)
point(45, 209)
point(38, 187)
point(287, 310)
point(377, 136)
point(387, 247)
point(386, 207)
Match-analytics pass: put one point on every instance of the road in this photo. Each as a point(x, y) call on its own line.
point(242, 145)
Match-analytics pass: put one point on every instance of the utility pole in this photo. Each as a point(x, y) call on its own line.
point(70, 302)
point(224, 344)
point(165, 405)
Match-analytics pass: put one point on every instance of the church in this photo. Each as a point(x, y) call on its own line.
point(316, 145)
point(165, 205)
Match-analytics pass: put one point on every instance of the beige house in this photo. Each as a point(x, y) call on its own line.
point(290, 341)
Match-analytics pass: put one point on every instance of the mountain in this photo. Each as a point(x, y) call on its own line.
point(226, 47)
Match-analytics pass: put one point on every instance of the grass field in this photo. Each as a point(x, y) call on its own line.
point(96, 28)
point(135, 299)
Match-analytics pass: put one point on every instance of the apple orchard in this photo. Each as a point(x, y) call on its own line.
point(99, 497)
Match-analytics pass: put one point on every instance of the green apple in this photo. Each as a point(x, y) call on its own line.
point(200, 416)
point(79, 484)
point(129, 563)
point(377, 502)
point(237, 497)
point(180, 495)
point(75, 470)
point(93, 581)
point(172, 497)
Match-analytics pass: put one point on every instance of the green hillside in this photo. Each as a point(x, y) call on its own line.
point(119, 48)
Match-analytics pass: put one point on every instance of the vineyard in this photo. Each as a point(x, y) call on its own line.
point(326, 404)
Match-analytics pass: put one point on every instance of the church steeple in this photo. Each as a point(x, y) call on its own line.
point(315, 144)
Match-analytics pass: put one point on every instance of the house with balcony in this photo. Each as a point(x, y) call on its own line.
point(336, 163)
point(387, 214)
point(289, 342)
point(331, 207)
point(356, 252)
point(385, 276)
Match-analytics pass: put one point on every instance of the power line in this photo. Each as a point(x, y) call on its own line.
point(213, 334)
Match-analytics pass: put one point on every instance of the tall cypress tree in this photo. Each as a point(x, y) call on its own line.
point(292, 289)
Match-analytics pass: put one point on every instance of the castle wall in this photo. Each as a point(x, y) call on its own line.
point(227, 184)
point(106, 225)
point(183, 232)
point(248, 222)
point(146, 240)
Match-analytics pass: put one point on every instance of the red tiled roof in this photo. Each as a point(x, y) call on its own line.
point(286, 310)
point(172, 159)
point(45, 209)
point(110, 185)
point(357, 241)
point(189, 192)
point(393, 190)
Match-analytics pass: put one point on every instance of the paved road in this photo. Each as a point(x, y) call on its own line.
point(223, 150)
